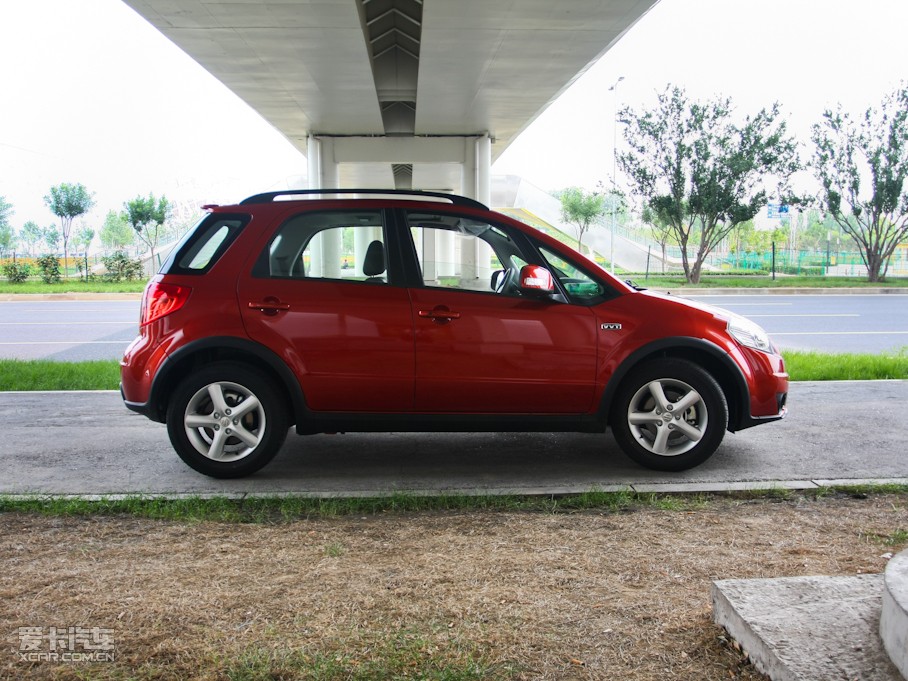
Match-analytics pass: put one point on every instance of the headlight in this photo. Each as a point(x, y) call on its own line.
point(747, 333)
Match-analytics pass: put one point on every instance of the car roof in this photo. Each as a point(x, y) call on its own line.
point(358, 194)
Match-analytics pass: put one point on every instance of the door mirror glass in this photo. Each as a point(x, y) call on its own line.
point(536, 279)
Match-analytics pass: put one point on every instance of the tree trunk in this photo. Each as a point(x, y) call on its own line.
point(874, 267)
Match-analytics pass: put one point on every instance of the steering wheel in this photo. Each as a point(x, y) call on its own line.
point(507, 281)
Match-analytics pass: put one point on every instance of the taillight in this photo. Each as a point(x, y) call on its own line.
point(162, 299)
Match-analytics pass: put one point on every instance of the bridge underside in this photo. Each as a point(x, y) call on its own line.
point(396, 93)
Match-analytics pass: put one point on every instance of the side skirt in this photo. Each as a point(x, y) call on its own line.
point(457, 423)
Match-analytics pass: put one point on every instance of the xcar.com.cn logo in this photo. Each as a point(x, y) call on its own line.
point(66, 644)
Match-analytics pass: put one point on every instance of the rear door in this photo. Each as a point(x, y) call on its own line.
point(323, 295)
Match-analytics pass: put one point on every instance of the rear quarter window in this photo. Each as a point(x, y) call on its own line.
point(205, 244)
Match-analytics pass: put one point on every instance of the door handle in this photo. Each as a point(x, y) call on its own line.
point(439, 314)
point(269, 306)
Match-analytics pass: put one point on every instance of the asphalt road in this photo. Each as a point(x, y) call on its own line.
point(88, 443)
point(827, 322)
point(101, 329)
point(67, 330)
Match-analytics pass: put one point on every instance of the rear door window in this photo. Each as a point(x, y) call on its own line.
point(341, 245)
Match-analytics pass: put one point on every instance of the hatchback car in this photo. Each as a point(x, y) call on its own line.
point(369, 310)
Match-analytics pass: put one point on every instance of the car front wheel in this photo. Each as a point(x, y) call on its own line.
point(669, 415)
point(226, 421)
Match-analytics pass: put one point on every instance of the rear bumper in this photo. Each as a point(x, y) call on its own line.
point(138, 407)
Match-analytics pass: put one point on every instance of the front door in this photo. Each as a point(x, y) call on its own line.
point(481, 346)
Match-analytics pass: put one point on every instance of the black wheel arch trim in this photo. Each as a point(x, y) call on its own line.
point(232, 348)
point(739, 416)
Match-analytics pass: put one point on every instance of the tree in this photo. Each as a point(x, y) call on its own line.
point(117, 233)
point(700, 173)
point(748, 239)
point(581, 209)
point(6, 229)
point(7, 239)
point(83, 238)
point(147, 217)
point(6, 211)
point(862, 167)
point(31, 235)
point(52, 238)
point(67, 202)
point(820, 231)
point(661, 231)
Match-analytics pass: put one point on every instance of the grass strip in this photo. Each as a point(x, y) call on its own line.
point(72, 285)
point(40, 374)
point(845, 366)
point(284, 509)
point(764, 281)
point(289, 508)
point(75, 285)
point(25, 375)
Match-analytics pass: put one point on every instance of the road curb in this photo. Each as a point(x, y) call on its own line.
point(641, 488)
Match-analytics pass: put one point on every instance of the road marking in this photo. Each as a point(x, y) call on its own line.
point(756, 305)
point(131, 321)
point(839, 333)
point(114, 342)
point(755, 316)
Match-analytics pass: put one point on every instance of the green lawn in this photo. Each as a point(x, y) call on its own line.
point(763, 281)
point(105, 375)
point(821, 366)
point(75, 285)
point(72, 286)
point(47, 375)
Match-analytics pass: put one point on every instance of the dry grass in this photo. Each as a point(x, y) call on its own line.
point(454, 595)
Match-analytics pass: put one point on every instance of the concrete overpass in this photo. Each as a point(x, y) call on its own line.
point(411, 94)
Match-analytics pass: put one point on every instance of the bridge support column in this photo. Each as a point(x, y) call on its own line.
point(477, 169)
point(473, 153)
point(477, 184)
point(323, 174)
point(323, 170)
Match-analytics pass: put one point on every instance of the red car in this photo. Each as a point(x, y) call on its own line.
point(379, 310)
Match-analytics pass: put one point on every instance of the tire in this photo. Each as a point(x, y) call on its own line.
point(648, 426)
point(226, 420)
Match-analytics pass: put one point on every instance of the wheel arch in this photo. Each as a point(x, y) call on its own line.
point(703, 353)
point(223, 349)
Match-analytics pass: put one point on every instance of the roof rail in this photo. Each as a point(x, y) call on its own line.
point(454, 199)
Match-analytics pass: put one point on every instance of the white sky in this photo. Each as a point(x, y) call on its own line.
point(91, 93)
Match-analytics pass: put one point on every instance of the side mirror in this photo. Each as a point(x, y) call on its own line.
point(535, 279)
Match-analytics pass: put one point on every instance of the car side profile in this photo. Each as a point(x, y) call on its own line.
point(383, 310)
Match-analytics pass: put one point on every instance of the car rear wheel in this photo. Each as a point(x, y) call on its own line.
point(669, 415)
point(226, 421)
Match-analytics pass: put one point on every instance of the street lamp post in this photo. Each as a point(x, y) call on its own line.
point(611, 248)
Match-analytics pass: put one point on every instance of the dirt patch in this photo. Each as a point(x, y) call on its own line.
point(589, 595)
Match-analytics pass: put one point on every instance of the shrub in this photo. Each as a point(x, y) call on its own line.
point(85, 270)
point(121, 267)
point(16, 273)
point(50, 269)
